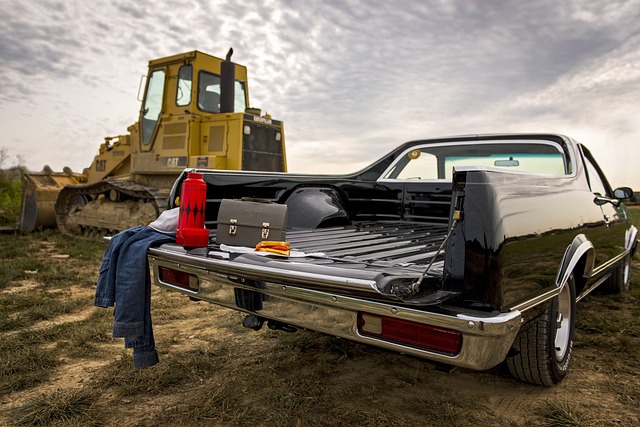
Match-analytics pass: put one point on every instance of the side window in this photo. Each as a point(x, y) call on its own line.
point(152, 105)
point(416, 164)
point(209, 92)
point(239, 103)
point(183, 94)
point(422, 166)
point(595, 181)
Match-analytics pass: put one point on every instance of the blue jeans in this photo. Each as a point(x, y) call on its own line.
point(124, 281)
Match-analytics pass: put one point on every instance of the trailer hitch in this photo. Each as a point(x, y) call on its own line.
point(254, 322)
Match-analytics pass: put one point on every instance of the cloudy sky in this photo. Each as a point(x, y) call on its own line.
point(351, 79)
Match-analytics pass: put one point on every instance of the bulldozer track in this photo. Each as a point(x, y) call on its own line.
point(68, 206)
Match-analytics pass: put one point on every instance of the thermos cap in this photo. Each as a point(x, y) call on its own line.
point(195, 175)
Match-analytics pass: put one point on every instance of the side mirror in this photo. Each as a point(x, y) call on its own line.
point(623, 193)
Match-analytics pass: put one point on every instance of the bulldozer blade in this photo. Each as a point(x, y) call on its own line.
point(39, 193)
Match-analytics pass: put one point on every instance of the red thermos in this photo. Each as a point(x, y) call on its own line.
point(193, 198)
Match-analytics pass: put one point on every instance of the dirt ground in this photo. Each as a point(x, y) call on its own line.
point(215, 372)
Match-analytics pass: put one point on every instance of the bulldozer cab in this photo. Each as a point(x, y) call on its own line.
point(183, 97)
point(184, 122)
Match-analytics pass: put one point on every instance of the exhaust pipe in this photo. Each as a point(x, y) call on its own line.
point(227, 84)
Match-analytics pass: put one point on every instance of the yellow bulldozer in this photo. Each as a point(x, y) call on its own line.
point(195, 113)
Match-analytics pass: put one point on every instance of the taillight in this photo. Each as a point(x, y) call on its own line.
point(408, 333)
point(179, 278)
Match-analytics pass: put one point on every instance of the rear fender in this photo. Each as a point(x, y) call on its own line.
point(581, 246)
point(316, 207)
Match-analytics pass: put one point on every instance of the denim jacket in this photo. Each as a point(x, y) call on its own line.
point(124, 281)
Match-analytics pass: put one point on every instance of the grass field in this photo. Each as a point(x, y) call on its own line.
point(60, 366)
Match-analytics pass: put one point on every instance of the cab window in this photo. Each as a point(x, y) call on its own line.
point(595, 181)
point(152, 105)
point(209, 93)
point(183, 94)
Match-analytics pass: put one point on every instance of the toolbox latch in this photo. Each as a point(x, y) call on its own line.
point(233, 227)
point(265, 230)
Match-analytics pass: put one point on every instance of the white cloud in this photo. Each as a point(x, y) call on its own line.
point(351, 79)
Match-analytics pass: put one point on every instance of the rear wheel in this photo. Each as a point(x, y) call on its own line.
point(543, 347)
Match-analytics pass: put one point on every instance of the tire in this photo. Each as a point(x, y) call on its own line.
point(544, 346)
point(619, 280)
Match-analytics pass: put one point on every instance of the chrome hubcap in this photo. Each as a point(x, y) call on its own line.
point(563, 323)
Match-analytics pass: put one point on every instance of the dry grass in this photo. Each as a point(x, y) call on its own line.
point(562, 414)
point(61, 407)
point(60, 366)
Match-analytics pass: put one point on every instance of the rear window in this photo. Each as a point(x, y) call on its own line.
point(436, 161)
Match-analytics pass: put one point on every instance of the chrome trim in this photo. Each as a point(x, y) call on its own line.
point(486, 340)
point(563, 274)
point(566, 267)
point(588, 290)
point(610, 263)
point(539, 299)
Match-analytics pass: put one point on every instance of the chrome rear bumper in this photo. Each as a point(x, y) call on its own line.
point(486, 340)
